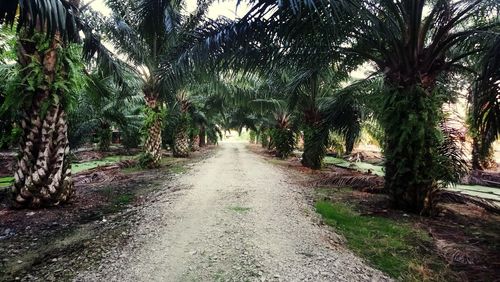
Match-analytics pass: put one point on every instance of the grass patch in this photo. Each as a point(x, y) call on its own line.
point(239, 209)
point(6, 181)
point(117, 200)
point(395, 248)
point(166, 161)
point(123, 199)
point(132, 169)
point(177, 168)
point(174, 165)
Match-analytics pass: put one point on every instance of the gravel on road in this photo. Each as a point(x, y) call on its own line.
point(235, 217)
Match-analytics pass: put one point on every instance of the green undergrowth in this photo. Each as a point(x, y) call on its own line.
point(360, 166)
point(132, 169)
point(396, 248)
point(177, 168)
point(6, 181)
point(174, 165)
point(485, 192)
point(117, 200)
point(79, 167)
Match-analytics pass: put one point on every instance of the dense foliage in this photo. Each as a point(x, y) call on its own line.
point(283, 71)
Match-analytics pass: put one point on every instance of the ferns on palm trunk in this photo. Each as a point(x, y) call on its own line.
point(264, 137)
point(410, 118)
point(282, 135)
point(314, 147)
point(43, 175)
point(284, 141)
point(314, 139)
point(153, 125)
point(252, 137)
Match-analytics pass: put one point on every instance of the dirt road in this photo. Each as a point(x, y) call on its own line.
point(235, 218)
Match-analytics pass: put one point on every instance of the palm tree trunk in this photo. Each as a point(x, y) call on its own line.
point(181, 138)
point(195, 143)
point(152, 146)
point(105, 136)
point(264, 138)
point(313, 154)
point(476, 158)
point(284, 142)
point(482, 160)
point(314, 145)
point(410, 120)
point(43, 175)
point(202, 136)
point(181, 144)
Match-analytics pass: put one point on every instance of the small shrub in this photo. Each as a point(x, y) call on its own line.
point(105, 135)
point(264, 138)
point(131, 138)
point(253, 137)
point(146, 161)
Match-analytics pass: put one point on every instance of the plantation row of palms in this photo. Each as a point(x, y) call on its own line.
point(282, 68)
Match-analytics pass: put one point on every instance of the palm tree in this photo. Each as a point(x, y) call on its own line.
point(283, 135)
point(8, 73)
point(152, 34)
point(485, 108)
point(209, 116)
point(414, 48)
point(180, 139)
point(49, 71)
point(308, 89)
point(289, 39)
point(413, 43)
point(100, 106)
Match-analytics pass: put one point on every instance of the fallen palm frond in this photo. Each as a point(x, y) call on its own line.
point(445, 196)
point(479, 177)
point(375, 184)
point(365, 182)
point(104, 173)
point(455, 253)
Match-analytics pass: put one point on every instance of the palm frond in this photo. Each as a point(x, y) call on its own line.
point(57, 16)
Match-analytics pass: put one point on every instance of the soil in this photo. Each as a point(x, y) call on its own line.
point(54, 244)
point(466, 236)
